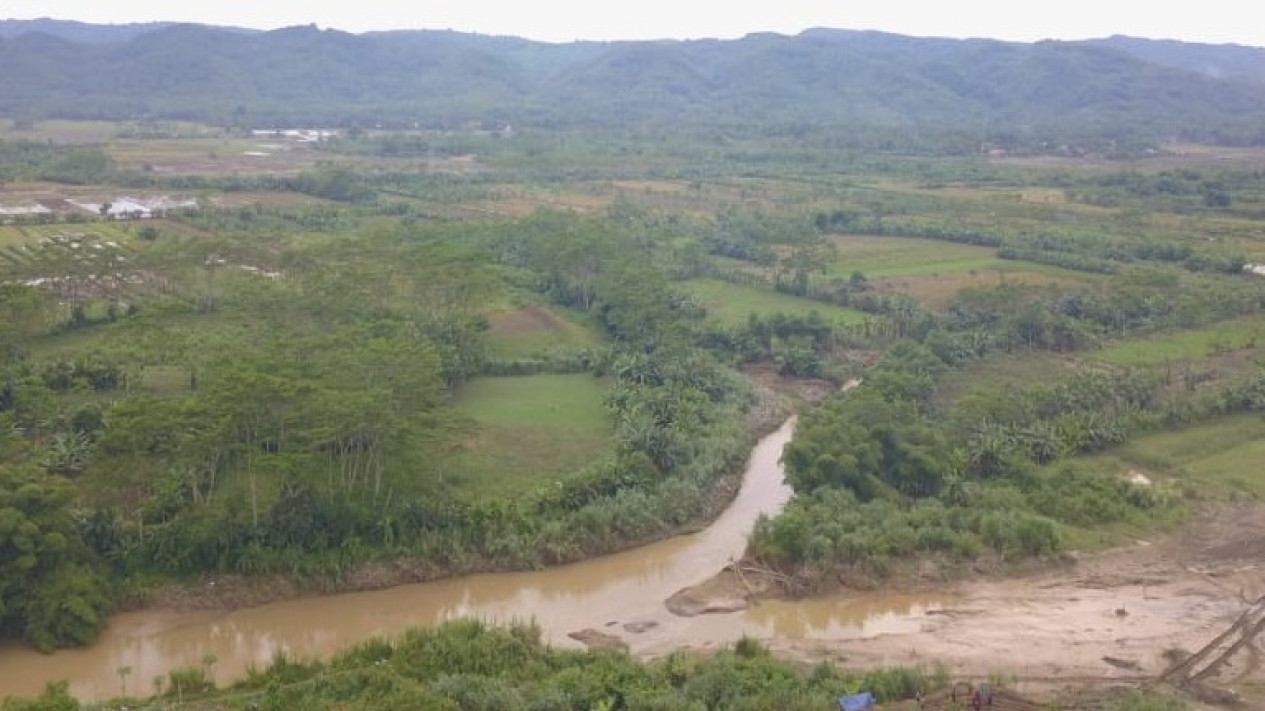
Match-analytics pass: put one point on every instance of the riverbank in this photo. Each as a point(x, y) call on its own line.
point(1120, 616)
point(1048, 625)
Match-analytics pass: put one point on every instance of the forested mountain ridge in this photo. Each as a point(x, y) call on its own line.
point(73, 31)
point(1223, 61)
point(437, 78)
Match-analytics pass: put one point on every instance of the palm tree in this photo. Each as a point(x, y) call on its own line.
point(989, 448)
point(68, 453)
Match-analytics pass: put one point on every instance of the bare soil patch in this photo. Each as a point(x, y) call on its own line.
point(525, 320)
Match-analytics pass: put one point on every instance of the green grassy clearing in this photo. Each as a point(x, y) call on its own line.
point(1195, 344)
point(531, 430)
point(558, 401)
point(731, 304)
point(882, 257)
point(992, 375)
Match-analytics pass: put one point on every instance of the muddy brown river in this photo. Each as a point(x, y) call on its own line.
point(602, 593)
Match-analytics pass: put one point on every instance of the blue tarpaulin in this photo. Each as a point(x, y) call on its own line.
point(857, 702)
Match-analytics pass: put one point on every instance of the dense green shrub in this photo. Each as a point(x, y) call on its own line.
point(466, 664)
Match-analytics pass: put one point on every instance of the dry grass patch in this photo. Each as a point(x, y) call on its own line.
point(523, 200)
point(532, 330)
point(935, 291)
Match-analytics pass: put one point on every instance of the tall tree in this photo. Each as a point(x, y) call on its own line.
point(49, 593)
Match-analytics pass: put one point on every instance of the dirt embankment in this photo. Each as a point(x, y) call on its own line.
point(1119, 617)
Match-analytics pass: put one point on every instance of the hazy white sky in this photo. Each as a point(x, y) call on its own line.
point(564, 20)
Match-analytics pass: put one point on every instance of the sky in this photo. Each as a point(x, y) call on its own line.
point(1216, 21)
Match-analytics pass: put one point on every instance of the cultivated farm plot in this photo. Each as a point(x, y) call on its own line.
point(530, 431)
point(53, 252)
point(74, 261)
point(534, 331)
point(932, 271)
point(97, 231)
point(731, 304)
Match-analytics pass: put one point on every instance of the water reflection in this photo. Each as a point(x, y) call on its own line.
point(830, 618)
point(845, 617)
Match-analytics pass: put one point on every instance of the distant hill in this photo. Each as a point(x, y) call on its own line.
point(72, 31)
point(1223, 61)
point(819, 78)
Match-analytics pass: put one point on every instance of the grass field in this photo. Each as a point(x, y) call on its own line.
point(1238, 335)
point(731, 304)
point(535, 330)
point(531, 430)
point(1220, 459)
point(993, 374)
point(13, 235)
point(884, 257)
point(61, 131)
